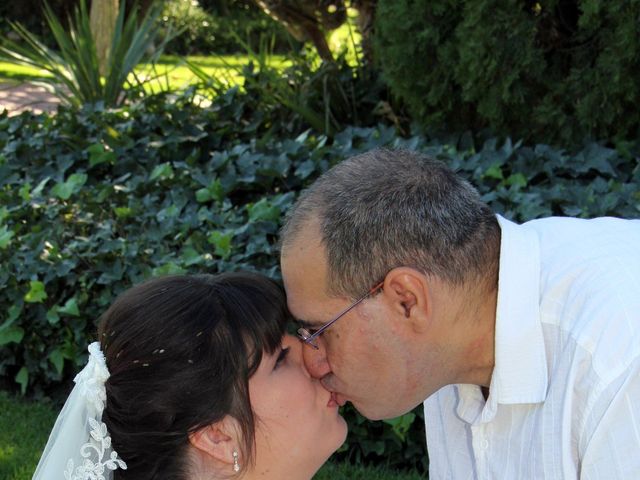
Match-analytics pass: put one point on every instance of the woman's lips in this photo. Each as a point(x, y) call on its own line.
point(336, 400)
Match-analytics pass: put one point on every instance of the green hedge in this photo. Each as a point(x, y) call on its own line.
point(94, 201)
point(554, 71)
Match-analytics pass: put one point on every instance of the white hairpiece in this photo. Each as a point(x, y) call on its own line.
point(79, 445)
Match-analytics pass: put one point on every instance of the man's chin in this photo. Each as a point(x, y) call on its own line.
point(373, 412)
point(368, 412)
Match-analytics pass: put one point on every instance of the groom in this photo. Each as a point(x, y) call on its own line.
point(523, 341)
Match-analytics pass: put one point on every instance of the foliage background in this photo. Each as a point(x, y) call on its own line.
point(555, 71)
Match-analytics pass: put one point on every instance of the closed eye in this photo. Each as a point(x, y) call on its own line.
point(308, 326)
point(281, 357)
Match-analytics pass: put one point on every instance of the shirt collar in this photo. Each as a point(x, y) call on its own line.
point(520, 373)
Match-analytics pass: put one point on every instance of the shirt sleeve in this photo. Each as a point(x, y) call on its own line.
point(610, 445)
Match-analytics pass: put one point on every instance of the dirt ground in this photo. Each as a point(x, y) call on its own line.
point(17, 97)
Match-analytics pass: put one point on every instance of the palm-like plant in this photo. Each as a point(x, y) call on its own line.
point(73, 71)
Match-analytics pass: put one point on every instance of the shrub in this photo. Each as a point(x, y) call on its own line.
point(92, 201)
point(557, 71)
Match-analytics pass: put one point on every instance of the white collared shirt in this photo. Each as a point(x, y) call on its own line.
point(564, 400)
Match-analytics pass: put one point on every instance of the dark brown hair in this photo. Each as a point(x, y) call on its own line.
point(181, 350)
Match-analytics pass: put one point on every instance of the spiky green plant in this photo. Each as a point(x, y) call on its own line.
point(72, 71)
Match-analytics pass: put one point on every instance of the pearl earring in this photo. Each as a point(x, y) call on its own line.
point(236, 465)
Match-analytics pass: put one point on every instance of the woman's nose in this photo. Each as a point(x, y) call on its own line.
point(315, 360)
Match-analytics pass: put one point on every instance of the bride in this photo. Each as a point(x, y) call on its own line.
point(194, 378)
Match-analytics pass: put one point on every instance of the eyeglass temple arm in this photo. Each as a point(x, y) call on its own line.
point(318, 332)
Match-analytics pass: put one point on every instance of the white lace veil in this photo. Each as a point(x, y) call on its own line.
point(79, 447)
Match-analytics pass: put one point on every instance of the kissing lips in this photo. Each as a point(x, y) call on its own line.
point(336, 400)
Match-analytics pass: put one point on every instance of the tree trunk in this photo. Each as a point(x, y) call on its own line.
point(103, 20)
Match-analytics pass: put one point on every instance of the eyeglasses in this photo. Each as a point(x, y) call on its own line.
point(309, 336)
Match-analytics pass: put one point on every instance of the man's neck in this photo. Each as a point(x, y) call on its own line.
point(476, 324)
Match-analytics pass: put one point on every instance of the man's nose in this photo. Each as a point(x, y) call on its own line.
point(315, 360)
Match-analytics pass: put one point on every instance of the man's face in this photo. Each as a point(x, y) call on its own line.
point(360, 357)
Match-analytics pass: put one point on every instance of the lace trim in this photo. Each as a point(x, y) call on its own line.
point(91, 381)
point(100, 443)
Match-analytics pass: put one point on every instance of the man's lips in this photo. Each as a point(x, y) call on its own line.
point(336, 400)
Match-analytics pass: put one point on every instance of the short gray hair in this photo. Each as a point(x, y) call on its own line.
point(389, 208)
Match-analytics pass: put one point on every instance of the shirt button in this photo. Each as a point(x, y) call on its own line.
point(484, 444)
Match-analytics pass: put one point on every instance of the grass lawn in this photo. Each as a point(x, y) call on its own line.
point(170, 69)
point(25, 425)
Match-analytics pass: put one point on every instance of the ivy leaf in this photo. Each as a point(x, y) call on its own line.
point(98, 154)
point(25, 192)
point(5, 237)
point(52, 316)
point(263, 210)
point(169, 269)
point(72, 185)
point(222, 242)
point(214, 191)
point(162, 171)
point(401, 424)
point(494, 171)
point(11, 334)
point(56, 357)
point(22, 378)
point(123, 212)
point(70, 308)
point(36, 293)
point(517, 179)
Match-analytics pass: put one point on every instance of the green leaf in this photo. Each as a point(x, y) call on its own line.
point(162, 171)
point(169, 269)
point(517, 179)
point(5, 237)
point(222, 242)
point(52, 315)
point(36, 293)
point(401, 424)
point(203, 195)
point(191, 257)
point(25, 192)
point(263, 210)
point(70, 308)
point(72, 185)
point(23, 379)
point(494, 171)
point(56, 357)
point(123, 212)
point(98, 155)
point(11, 334)
point(14, 312)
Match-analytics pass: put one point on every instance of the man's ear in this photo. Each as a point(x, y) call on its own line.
point(217, 441)
point(408, 293)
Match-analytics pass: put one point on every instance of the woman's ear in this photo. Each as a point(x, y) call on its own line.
point(218, 441)
point(407, 292)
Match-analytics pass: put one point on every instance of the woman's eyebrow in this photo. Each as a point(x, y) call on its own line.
point(307, 323)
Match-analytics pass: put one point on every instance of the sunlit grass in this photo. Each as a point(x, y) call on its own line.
point(171, 72)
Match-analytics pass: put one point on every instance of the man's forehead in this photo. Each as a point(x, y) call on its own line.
point(304, 266)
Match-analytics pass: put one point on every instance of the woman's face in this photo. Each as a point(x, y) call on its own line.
point(297, 422)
